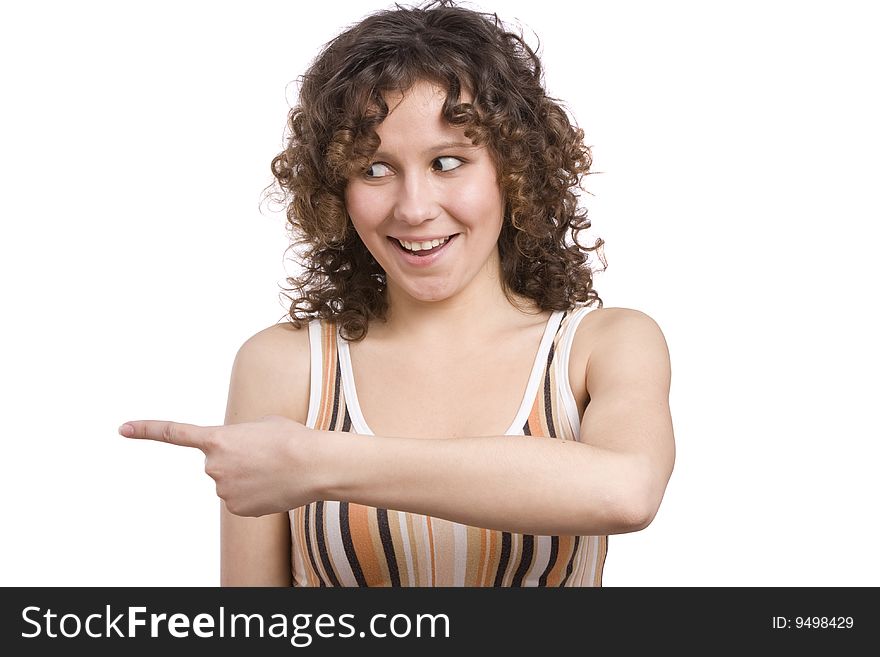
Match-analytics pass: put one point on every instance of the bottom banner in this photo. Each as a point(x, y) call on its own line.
point(324, 621)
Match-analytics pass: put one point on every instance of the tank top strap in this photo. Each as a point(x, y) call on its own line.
point(536, 415)
point(327, 408)
point(565, 338)
point(554, 410)
point(567, 329)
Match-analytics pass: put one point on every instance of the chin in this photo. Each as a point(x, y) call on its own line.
point(429, 296)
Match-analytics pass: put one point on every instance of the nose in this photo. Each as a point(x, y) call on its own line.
point(416, 201)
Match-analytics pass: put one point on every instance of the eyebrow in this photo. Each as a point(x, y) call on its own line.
point(446, 145)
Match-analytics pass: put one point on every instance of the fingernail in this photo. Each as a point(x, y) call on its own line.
point(126, 430)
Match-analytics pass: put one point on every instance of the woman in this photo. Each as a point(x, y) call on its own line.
point(449, 404)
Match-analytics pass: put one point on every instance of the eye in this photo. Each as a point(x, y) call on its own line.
point(447, 163)
point(377, 170)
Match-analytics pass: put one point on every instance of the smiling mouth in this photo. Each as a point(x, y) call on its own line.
point(422, 249)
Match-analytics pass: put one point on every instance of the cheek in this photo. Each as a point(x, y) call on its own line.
point(479, 202)
point(364, 207)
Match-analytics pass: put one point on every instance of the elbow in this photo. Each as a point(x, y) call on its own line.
point(638, 503)
point(624, 514)
point(621, 512)
point(637, 513)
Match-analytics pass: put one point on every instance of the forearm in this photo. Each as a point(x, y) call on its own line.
point(523, 484)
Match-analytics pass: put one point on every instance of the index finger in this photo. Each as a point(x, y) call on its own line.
point(176, 433)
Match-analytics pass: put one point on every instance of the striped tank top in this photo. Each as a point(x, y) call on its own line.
point(346, 544)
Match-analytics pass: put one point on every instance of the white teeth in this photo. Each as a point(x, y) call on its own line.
point(419, 246)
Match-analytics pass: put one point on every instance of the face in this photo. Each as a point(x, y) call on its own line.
point(429, 207)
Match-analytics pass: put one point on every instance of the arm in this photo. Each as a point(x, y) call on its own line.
point(611, 481)
point(256, 551)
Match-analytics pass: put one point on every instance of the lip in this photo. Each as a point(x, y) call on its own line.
point(421, 261)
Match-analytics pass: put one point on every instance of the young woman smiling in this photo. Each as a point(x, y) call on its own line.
point(449, 403)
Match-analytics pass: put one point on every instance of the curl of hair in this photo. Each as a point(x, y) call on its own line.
point(540, 156)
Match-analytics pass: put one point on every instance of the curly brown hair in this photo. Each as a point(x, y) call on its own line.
point(539, 153)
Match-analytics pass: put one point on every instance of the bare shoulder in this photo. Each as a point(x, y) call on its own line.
point(622, 322)
point(270, 374)
point(274, 339)
point(615, 345)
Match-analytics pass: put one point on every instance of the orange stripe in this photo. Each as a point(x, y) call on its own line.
point(483, 556)
point(329, 373)
point(359, 525)
point(557, 573)
point(304, 576)
point(376, 538)
point(535, 417)
point(493, 557)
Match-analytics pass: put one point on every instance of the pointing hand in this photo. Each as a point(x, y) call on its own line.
point(261, 467)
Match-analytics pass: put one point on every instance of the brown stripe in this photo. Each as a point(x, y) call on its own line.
point(387, 547)
point(527, 554)
point(504, 559)
point(547, 396)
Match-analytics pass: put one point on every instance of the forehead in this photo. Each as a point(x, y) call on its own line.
point(416, 115)
point(422, 90)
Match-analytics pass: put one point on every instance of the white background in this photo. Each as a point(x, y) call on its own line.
point(739, 149)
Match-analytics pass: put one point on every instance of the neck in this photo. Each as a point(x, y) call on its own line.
point(479, 309)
